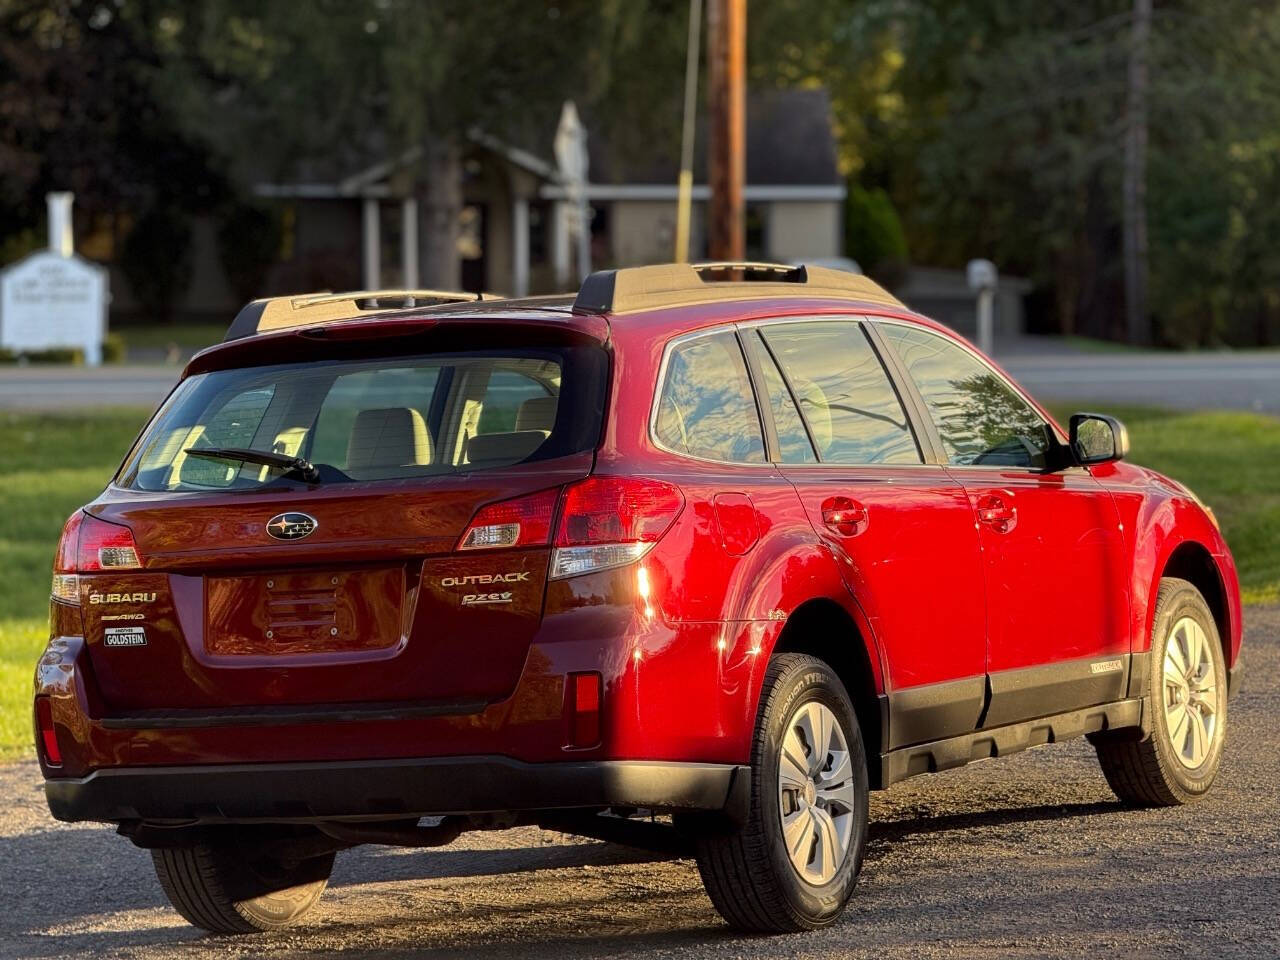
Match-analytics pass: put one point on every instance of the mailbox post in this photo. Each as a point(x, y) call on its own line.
point(983, 280)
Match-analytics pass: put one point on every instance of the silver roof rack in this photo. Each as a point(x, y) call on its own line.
point(303, 310)
point(635, 289)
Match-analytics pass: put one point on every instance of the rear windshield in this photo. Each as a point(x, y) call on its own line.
point(384, 419)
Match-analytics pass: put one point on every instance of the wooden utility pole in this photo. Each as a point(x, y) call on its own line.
point(1137, 321)
point(727, 130)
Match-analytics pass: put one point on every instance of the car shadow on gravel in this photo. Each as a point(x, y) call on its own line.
point(889, 831)
point(73, 859)
point(383, 864)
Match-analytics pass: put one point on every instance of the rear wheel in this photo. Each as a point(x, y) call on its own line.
point(1187, 698)
point(228, 886)
point(794, 863)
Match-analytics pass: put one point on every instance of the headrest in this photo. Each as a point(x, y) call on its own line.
point(387, 438)
point(537, 413)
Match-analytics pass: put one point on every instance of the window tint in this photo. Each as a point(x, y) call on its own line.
point(707, 408)
point(980, 418)
point(371, 389)
point(793, 441)
point(845, 396)
point(234, 425)
point(377, 419)
point(510, 398)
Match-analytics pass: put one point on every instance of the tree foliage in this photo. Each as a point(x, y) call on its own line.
point(156, 260)
point(997, 128)
point(78, 112)
point(993, 127)
point(873, 233)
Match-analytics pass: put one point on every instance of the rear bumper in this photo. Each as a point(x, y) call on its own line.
point(300, 792)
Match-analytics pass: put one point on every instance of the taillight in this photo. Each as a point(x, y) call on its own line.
point(48, 736)
point(522, 522)
point(90, 545)
point(105, 546)
point(611, 521)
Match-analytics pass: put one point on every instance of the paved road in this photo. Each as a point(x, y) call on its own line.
point(1025, 857)
point(81, 388)
point(1195, 381)
point(1236, 381)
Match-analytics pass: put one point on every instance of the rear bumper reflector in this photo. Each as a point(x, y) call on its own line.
point(48, 732)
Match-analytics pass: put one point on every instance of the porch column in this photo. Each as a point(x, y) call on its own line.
point(519, 247)
point(409, 242)
point(372, 236)
point(560, 244)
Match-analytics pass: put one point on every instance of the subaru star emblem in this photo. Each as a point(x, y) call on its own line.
point(291, 526)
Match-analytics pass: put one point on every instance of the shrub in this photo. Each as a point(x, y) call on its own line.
point(248, 244)
point(73, 355)
point(114, 348)
point(156, 261)
point(873, 234)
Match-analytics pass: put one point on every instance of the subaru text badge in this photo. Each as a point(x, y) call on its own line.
point(291, 526)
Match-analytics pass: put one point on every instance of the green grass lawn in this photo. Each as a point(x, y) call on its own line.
point(52, 464)
point(49, 465)
point(1230, 460)
point(1094, 345)
point(159, 336)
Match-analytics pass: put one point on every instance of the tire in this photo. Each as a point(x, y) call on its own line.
point(747, 870)
point(1167, 767)
point(229, 887)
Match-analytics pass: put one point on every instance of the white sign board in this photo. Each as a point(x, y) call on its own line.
point(49, 300)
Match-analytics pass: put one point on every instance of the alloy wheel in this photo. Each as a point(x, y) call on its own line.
point(1191, 693)
point(815, 792)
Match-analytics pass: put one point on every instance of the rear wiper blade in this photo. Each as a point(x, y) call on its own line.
point(281, 461)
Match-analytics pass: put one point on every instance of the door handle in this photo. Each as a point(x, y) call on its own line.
point(844, 516)
point(996, 512)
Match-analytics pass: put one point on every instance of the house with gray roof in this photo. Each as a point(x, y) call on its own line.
point(361, 229)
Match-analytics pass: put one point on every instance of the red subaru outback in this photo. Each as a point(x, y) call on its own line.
point(729, 543)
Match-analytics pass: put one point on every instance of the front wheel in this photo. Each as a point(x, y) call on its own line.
point(229, 886)
point(794, 862)
point(1187, 697)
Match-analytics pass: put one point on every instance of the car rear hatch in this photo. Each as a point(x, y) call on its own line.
point(345, 581)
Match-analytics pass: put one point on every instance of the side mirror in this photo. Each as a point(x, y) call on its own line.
point(1097, 438)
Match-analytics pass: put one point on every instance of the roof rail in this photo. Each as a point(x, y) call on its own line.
point(679, 284)
point(304, 310)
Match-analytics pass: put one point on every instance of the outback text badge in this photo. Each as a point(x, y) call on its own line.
point(291, 526)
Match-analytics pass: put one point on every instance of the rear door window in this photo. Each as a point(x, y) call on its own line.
point(846, 398)
point(793, 439)
point(707, 408)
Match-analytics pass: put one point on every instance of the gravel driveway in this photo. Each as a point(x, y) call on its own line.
point(1025, 857)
